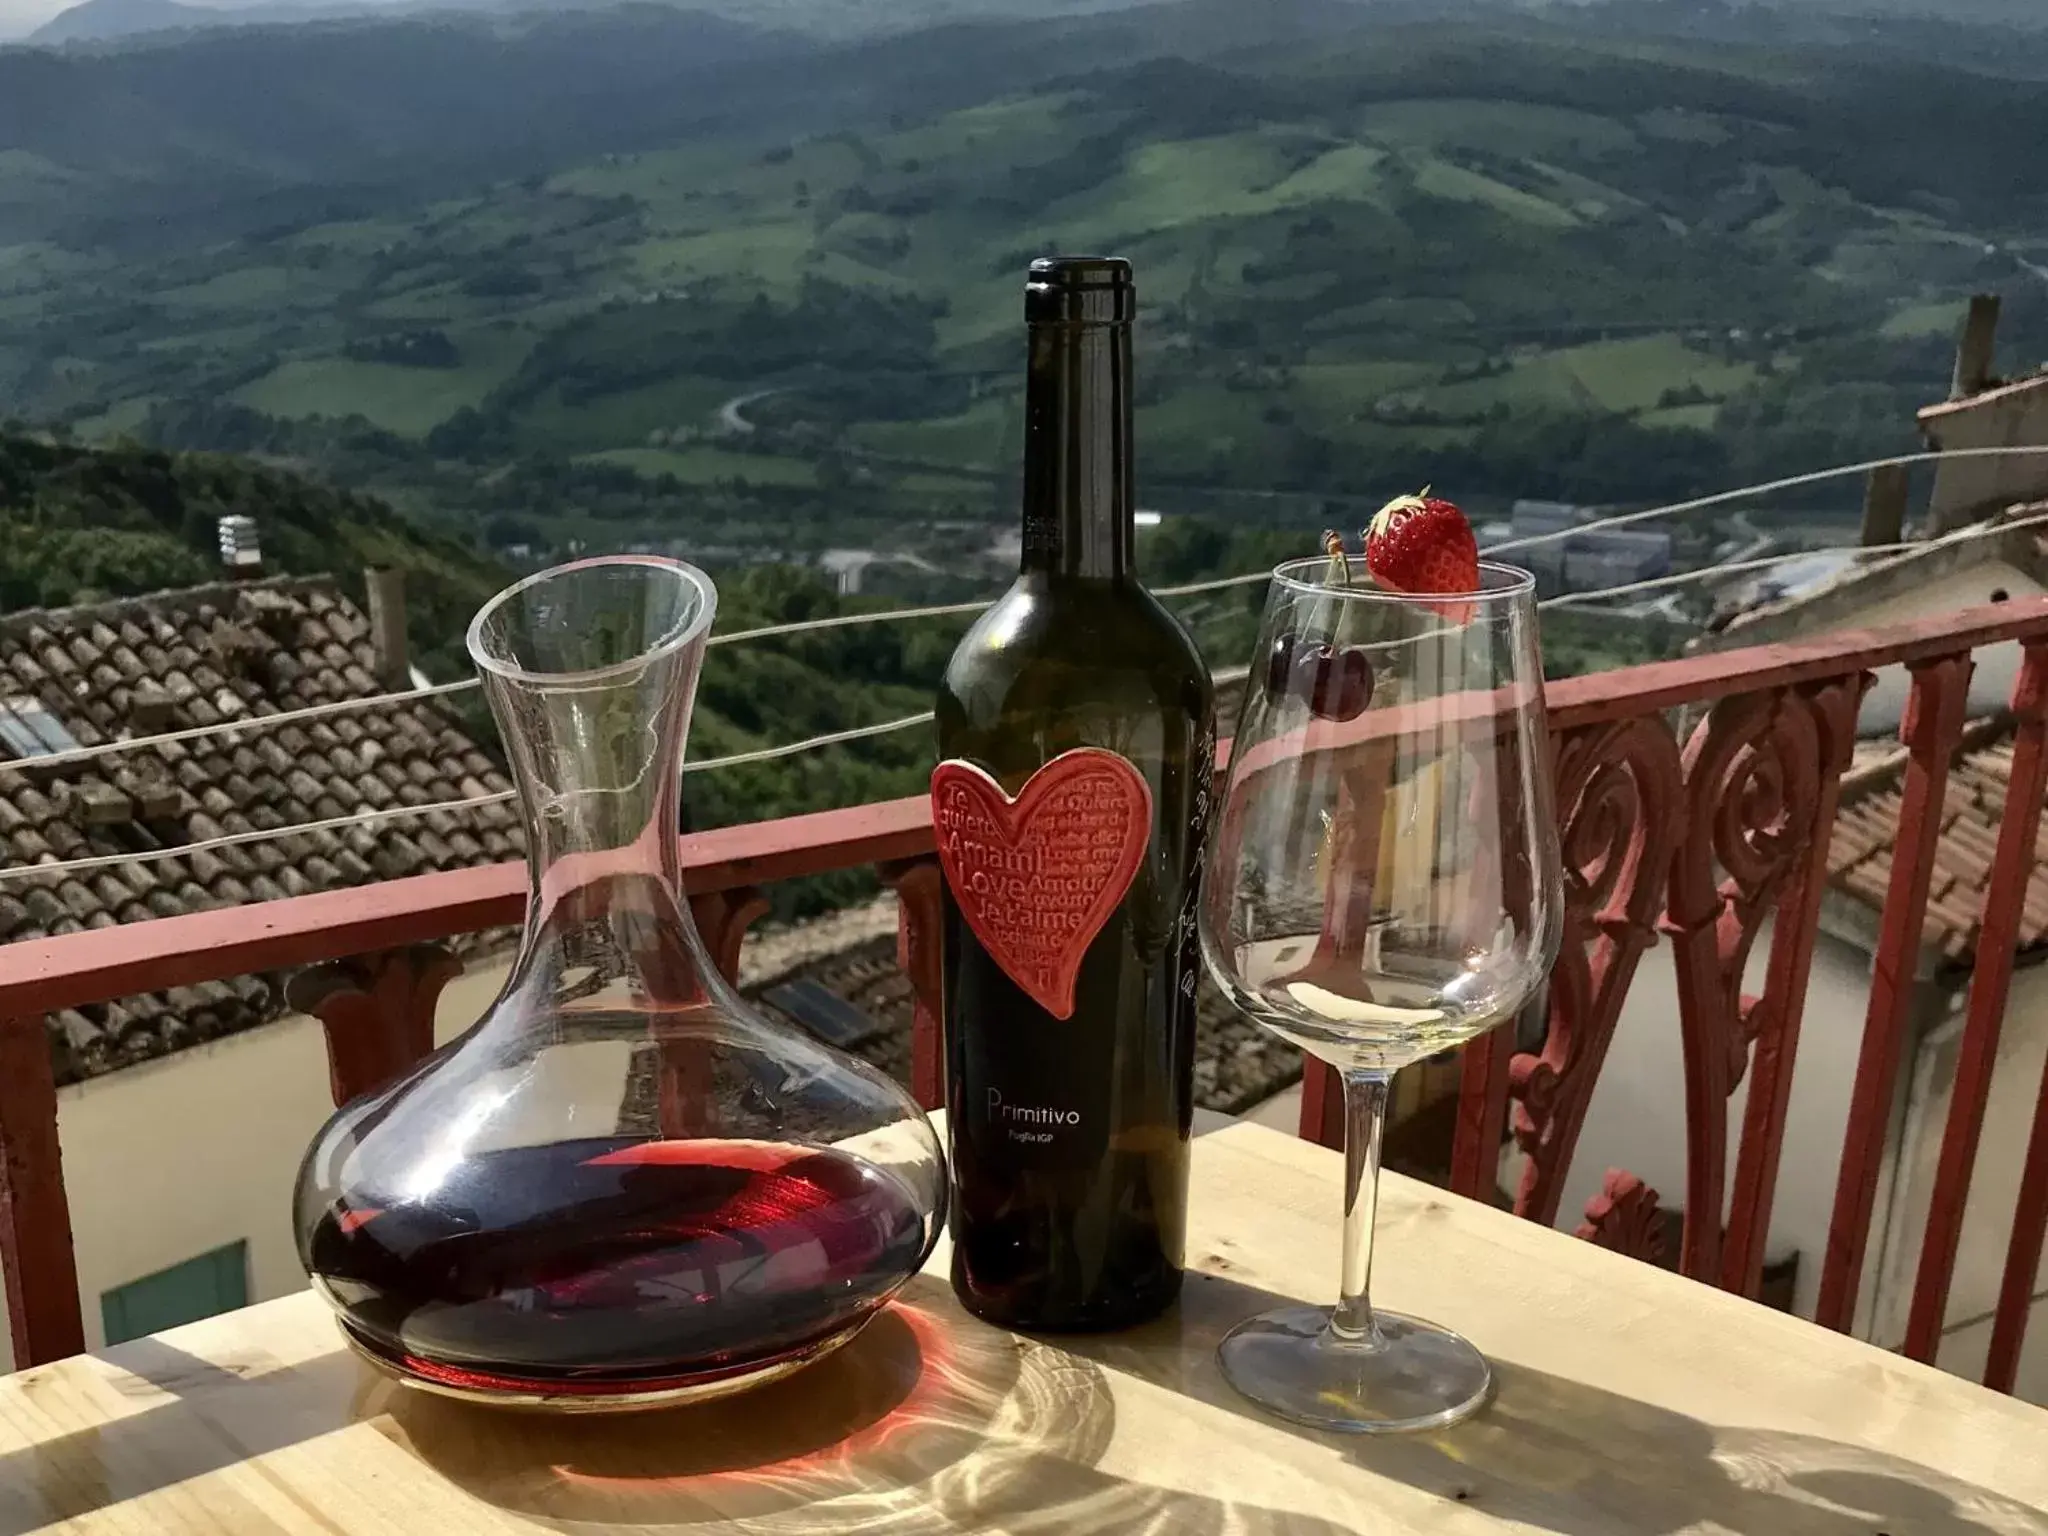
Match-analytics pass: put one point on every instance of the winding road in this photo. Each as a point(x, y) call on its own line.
point(730, 422)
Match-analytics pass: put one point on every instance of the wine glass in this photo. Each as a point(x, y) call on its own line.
point(1383, 885)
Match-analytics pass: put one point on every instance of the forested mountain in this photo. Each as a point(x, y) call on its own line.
point(82, 524)
point(99, 21)
point(643, 276)
point(95, 21)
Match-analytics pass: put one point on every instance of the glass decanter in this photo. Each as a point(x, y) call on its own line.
point(622, 1187)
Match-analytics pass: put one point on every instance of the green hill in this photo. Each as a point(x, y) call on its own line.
point(82, 524)
point(644, 276)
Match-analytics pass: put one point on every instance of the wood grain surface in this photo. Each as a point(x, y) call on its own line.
point(1630, 1401)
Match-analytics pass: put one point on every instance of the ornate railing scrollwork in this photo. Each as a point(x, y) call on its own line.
point(376, 1010)
point(920, 941)
point(723, 918)
point(1770, 1023)
point(1625, 1217)
point(1761, 775)
point(1618, 791)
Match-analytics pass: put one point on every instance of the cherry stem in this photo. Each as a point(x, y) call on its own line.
point(1340, 561)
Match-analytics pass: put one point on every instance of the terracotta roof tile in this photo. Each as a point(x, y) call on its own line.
point(140, 666)
point(1866, 828)
point(1237, 1063)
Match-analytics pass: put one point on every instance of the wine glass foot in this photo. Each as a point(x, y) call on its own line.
point(1417, 1376)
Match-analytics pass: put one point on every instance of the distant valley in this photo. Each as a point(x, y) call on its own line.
point(101, 21)
point(654, 277)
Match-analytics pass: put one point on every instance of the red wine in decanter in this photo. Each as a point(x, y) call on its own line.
point(616, 1265)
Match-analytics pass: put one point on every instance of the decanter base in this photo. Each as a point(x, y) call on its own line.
point(623, 1396)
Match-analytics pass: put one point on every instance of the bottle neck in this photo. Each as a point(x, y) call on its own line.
point(1079, 489)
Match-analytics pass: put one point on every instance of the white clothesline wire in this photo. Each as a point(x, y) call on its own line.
point(1736, 567)
point(72, 755)
point(395, 812)
point(75, 755)
point(812, 743)
point(1766, 488)
point(12, 873)
point(59, 868)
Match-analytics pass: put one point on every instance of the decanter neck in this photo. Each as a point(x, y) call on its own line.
point(598, 765)
point(591, 669)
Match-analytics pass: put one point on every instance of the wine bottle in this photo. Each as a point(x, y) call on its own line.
point(1076, 732)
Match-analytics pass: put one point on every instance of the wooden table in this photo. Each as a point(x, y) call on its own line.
point(1630, 1401)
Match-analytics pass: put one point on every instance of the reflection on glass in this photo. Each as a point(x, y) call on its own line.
point(1383, 885)
point(623, 1186)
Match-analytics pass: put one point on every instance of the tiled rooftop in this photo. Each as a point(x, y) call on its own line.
point(853, 956)
point(1860, 856)
point(197, 657)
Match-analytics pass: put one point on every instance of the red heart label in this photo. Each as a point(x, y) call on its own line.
point(1036, 877)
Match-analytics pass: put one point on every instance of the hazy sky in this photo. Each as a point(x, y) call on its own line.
point(21, 16)
point(18, 17)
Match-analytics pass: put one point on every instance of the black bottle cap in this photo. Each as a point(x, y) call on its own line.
point(1088, 290)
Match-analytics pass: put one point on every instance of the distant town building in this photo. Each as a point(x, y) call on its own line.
point(849, 568)
point(1985, 411)
point(1614, 558)
point(1538, 517)
point(1572, 559)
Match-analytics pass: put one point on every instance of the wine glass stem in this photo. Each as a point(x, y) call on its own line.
point(1365, 1116)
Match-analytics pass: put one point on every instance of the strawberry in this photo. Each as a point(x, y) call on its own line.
point(1423, 544)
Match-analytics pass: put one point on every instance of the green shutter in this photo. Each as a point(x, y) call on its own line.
point(214, 1282)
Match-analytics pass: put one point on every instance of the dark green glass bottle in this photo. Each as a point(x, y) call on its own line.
point(1071, 957)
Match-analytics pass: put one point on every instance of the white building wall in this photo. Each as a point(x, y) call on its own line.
point(2016, 1081)
point(171, 1159)
point(1636, 1120)
point(1937, 597)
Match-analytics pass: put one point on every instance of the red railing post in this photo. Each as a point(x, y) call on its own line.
point(1753, 774)
point(1775, 1023)
point(377, 1012)
point(1354, 856)
point(920, 956)
point(1482, 1107)
point(1482, 1114)
point(2022, 1255)
point(722, 919)
point(35, 1217)
point(1322, 1103)
point(1620, 787)
point(1930, 729)
point(2012, 864)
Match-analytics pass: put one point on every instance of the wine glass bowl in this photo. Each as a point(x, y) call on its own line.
point(1384, 885)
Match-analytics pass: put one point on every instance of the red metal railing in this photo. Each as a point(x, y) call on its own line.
point(1696, 843)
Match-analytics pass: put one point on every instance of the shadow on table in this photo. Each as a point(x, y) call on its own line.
point(919, 1426)
point(218, 1415)
point(928, 1424)
point(1563, 1457)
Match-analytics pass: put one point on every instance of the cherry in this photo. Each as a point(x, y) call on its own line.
point(1354, 685)
point(1310, 665)
point(1280, 663)
point(1341, 684)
